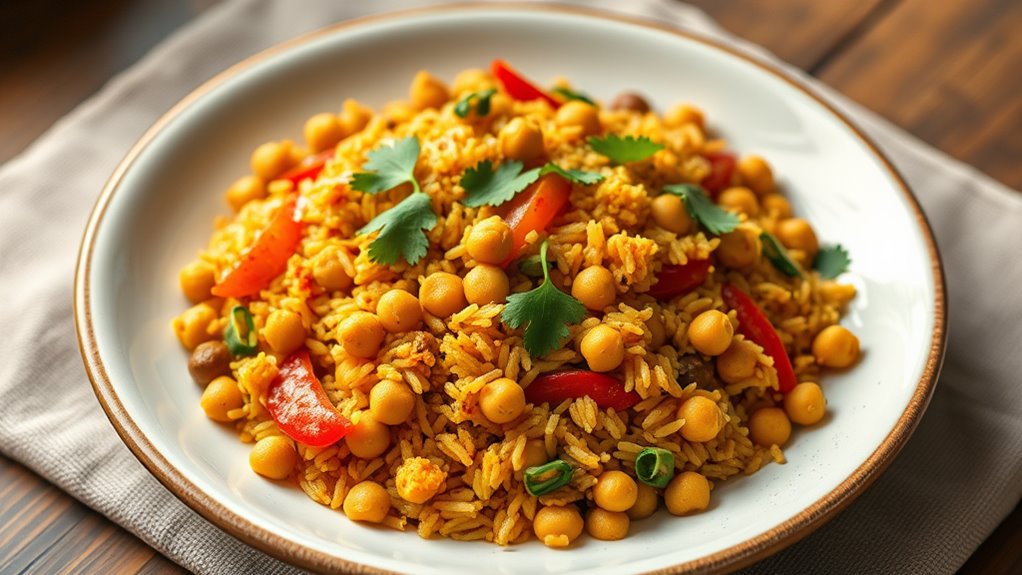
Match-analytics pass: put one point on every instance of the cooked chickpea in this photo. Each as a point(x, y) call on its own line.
point(391, 402)
point(738, 362)
point(322, 131)
point(797, 234)
point(209, 360)
point(805, 404)
point(427, 91)
point(711, 332)
point(703, 419)
point(836, 346)
point(522, 139)
point(221, 396)
point(354, 116)
point(557, 526)
point(645, 503)
point(329, 273)
point(739, 248)
point(756, 174)
point(471, 80)
point(197, 279)
point(442, 294)
point(284, 331)
point(603, 347)
point(399, 311)
point(486, 284)
point(195, 325)
point(273, 457)
point(777, 206)
point(578, 113)
point(490, 241)
point(418, 479)
point(535, 453)
point(367, 501)
point(769, 426)
point(607, 525)
point(615, 491)
point(361, 334)
point(594, 287)
point(502, 401)
point(630, 101)
point(244, 190)
point(368, 438)
point(272, 159)
point(669, 212)
point(657, 331)
point(739, 199)
point(683, 114)
point(688, 492)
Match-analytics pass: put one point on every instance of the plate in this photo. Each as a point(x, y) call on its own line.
point(155, 212)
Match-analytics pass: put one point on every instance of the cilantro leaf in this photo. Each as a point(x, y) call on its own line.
point(624, 150)
point(531, 266)
point(403, 232)
point(832, 262)
point(484, 186)
point(577, 176)
point(775, 252)
point(482, 98)
point(701, 208)
point(569, 94)
point(389, 167)
point(545, 313)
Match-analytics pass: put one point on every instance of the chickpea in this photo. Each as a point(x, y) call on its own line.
point(418, 479)
point(684, 114)
point(738, 362)
point(322, 131)
point(427, 91)
point(329, 273)
point(703, 419)
point(522, 140)
point(490, 241)
point(669, 212)
point(361, 334)
point(607, 525)
point(441, 294)
point(835, 346)
point(769, 426)
point(739, 199)
point(502, 401)
point(557, 526)
point(756, 174)
point(797, 234)
point(284, 331)
point(354, 116)
point(272, 159)
point(243, 191)
point(195, 324)
point(578, 113)
point(535, 453)
point(711, 332)
point(368, 438)
point(367, 501)
point(221, 396)
point(603, 347)
point(657, 331)
point(805, 404)
point(197, 279)
point(486, 284)
point(777, 206)
point(391, 402)
point(739, 248)
point(273, 457)
point(686, 493)
point(209, 360)
point(399, 311)
point(615, 491)
point(645, 503)
point(471, 80)
point(630, 101)
point(594, 287)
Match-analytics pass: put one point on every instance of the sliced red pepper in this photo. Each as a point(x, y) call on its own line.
point(755, 326)
point(605, 390)
point(722, 166)
point(308, 168)
point(675, 280)
point(267, 258)
point(517, 86)
point(297, 402)
point(535, 208)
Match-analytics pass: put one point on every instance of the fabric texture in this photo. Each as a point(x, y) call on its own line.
point(958, 477)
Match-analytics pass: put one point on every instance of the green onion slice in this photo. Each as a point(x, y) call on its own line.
point(464, 106)
point(240, 336)
point(654, 466)
point(777, 255)
point(545, 478)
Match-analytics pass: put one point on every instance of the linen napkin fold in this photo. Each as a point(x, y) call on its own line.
point(958, 477)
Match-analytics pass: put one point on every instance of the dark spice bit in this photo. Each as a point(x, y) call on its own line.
point(692, 369)
point(630, 101)
point(209, 360)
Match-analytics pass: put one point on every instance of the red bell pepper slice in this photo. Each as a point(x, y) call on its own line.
point(675, 280)
point(605, 390)
point(535, 208)
point(267, 258)
point(722, 166)
point(756, 327)
point(517, 86)
point(308, 168)
point(297, 402)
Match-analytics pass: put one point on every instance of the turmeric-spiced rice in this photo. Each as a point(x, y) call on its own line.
point(493, 311)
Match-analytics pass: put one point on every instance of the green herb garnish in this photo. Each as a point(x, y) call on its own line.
point(701, 208)
point(531, 266)
point(486, 186)
point(545, 313)
point(482, 102)
point(832, 262)
point(577, 176)
point(403, 232)
point(569, 94)
point(240, 335)
point(624, 150)
point(775, 252)
point(548, 477)
point(654, 467)
point(389, 167)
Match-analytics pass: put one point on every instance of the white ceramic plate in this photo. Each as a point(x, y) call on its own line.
point(156, 212)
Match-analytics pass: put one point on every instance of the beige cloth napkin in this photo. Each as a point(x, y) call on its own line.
point(958, 477)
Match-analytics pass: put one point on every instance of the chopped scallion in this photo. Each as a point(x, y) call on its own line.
point(240, 335)
point(548, 477)
point(654, 466)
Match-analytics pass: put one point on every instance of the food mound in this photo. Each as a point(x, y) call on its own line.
point(493, 312)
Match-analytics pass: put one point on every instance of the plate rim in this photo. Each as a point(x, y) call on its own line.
point(736, 556)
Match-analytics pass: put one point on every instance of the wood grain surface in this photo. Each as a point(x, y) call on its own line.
point(946, 71)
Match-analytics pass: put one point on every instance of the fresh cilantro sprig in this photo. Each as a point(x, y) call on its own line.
point(702, 209)
point(532, 266)
point(778, 256)
point(485, 185)
point(624, 150)
point(832, 262)
point(389, 167)
point(577, 176)
point(569, 94)
point(545, 313)
point(482, 101)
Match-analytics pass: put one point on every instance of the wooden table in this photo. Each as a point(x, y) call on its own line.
point(946, 71)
